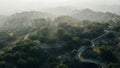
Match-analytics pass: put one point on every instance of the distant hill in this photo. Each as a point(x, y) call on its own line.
point(90, 15)
point(25, 18)
point(85, 14)
point(22, 22)
point(32, 15)
point(67, 14)
point(111, 8)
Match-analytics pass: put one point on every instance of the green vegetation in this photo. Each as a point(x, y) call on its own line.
point(44, 43)
point(61, 66)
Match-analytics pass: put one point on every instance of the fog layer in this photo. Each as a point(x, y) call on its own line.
point(13, 6)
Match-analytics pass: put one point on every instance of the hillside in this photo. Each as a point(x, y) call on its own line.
point(88, 14)
point(41, 40)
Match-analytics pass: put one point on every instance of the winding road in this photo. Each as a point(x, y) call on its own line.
point(45, 46)
point(26, 36)
point(42, 45)
point(83, 48)
point(80, 50)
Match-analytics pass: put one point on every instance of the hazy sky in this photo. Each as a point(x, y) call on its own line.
point(12, 6)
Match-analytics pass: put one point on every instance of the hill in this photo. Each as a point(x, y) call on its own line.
point(90, 15)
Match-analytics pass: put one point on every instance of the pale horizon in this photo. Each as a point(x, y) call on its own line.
point(8, 7)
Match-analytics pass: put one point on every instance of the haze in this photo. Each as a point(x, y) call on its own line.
point(12, 6)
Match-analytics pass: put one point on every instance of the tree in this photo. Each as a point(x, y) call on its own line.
point(107, 54)
point(76, 39)
point(2, 64)
point(61, 66)
point(114, 65)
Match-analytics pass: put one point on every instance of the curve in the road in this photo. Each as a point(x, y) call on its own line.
point(45, 46)
point(83, 48)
